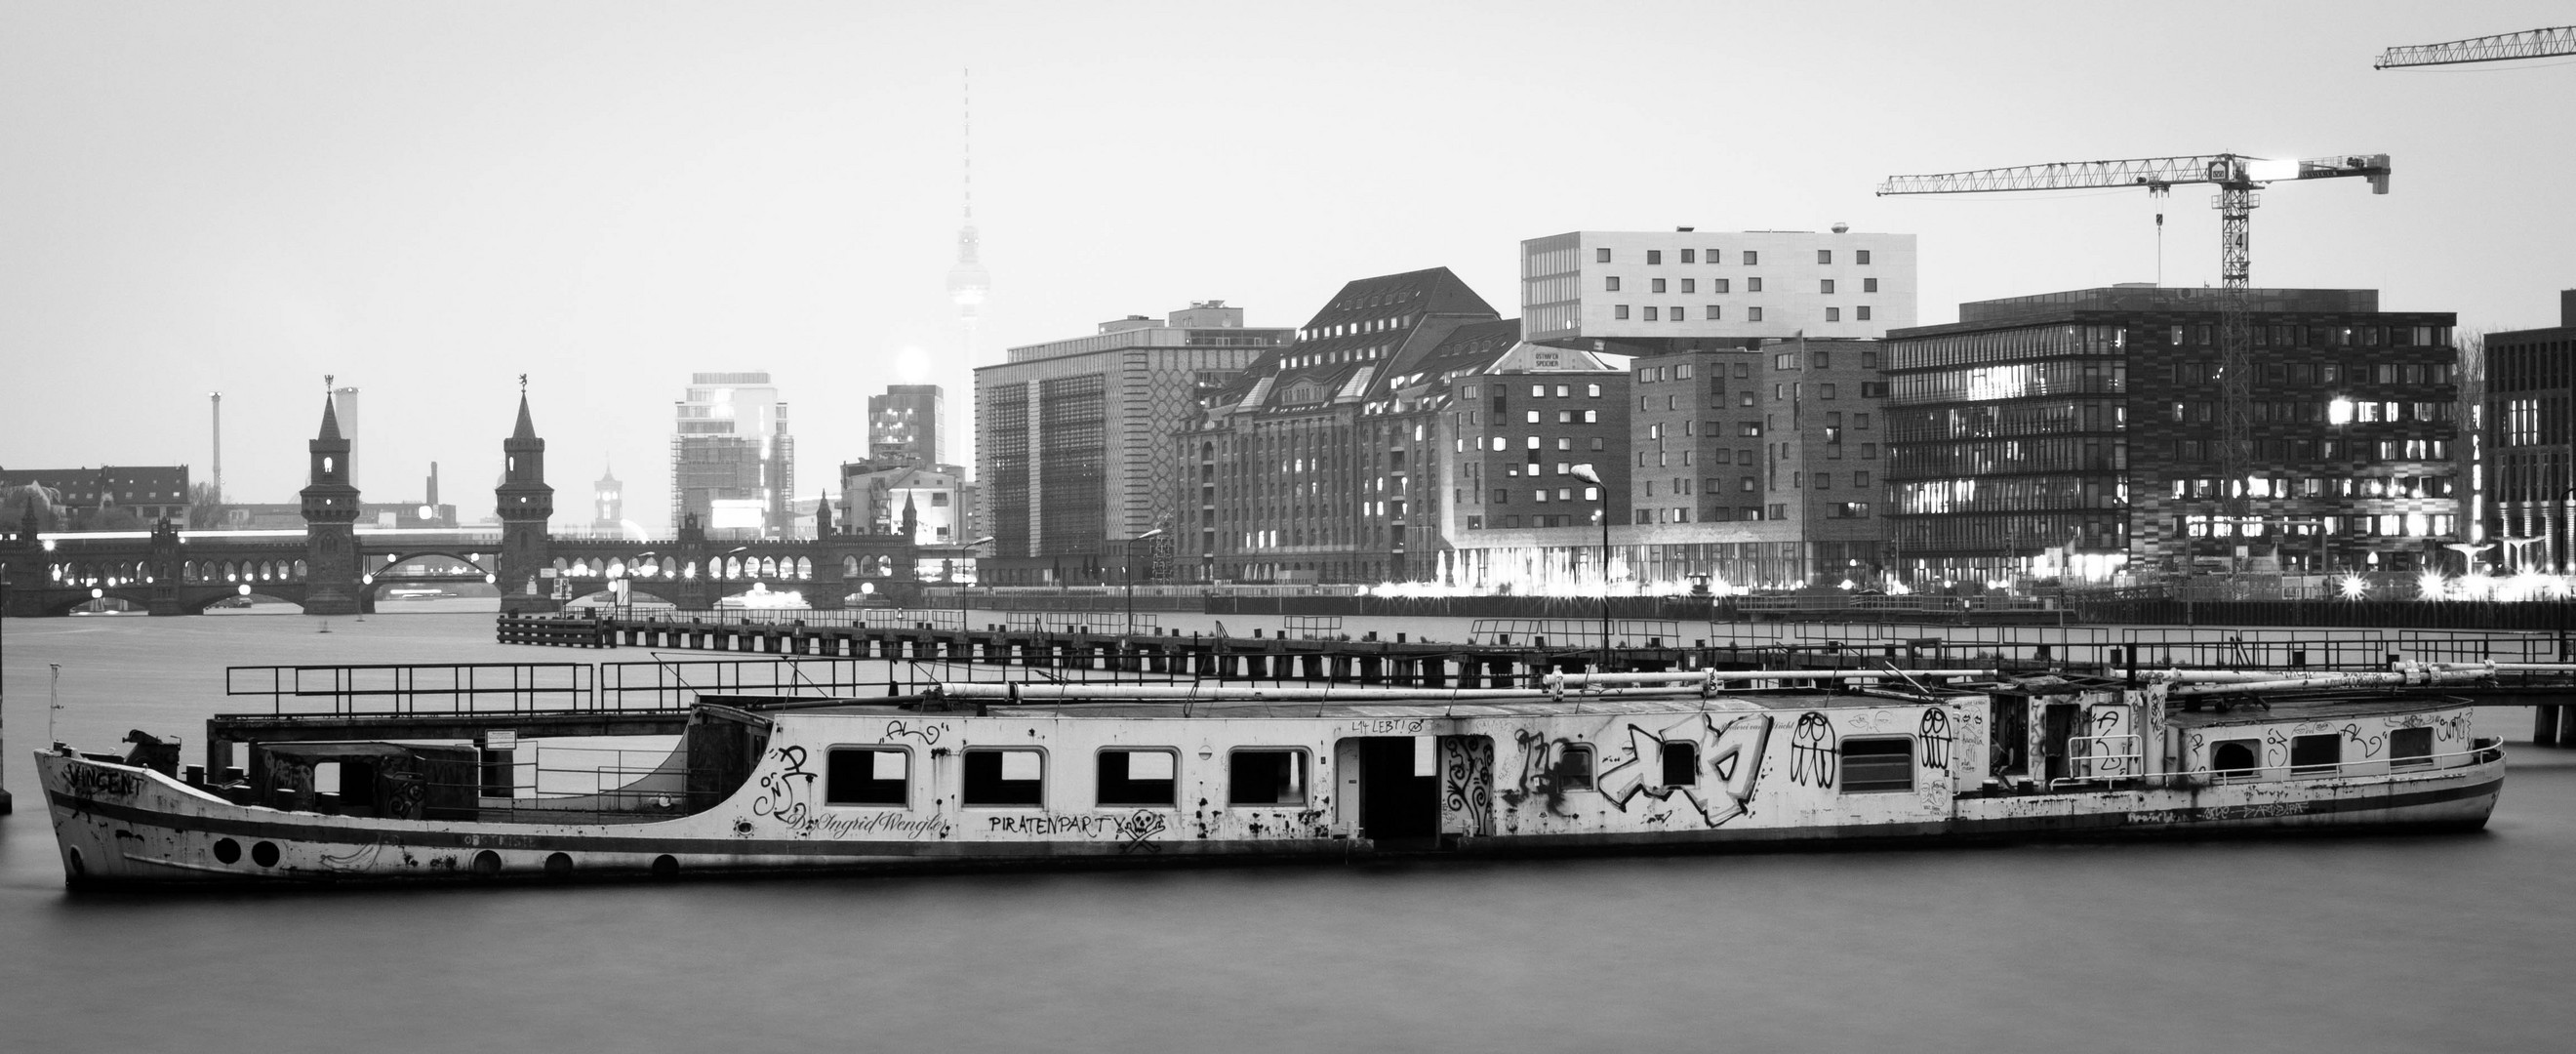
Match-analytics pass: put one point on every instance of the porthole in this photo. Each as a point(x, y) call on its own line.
point(558, 865)
point(228, 851)
point(264, 854)
point(487, 863)
point(666, 866)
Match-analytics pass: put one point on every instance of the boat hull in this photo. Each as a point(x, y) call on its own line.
point(124, 825)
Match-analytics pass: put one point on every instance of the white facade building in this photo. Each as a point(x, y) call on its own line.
point(1686, 284)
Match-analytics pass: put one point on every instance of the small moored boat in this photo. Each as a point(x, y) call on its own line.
point(989, 775)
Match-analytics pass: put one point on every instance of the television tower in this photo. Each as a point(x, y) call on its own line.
point(967, 282)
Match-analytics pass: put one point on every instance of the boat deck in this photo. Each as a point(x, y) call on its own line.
point(2200, 713)
point(1430, 704)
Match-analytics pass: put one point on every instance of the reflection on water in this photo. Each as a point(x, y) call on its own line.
point(2437, 943)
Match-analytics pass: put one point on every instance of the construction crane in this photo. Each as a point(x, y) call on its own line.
point(2237, 177)
point(2528, 44)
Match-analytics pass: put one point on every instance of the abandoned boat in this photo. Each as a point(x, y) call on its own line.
point(989, 775)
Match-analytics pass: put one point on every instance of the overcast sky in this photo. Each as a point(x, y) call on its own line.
point(428, 199)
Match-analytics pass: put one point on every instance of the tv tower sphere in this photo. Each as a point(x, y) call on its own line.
point(967, 282)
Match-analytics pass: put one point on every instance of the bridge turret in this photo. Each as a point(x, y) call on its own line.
point(330, 523)
point(164, 565)
point(524, 503)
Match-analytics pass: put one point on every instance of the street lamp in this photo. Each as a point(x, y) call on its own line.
point(1587, 474)
point(625, 585)
point(1128, 564)
point(962, 583)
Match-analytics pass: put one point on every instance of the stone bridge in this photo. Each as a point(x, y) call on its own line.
point(336, 568)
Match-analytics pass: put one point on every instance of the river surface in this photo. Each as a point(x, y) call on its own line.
point(2444, 943)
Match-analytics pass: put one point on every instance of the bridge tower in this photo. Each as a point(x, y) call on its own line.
point(162, 574)
point(330, 524)
point(524, 502)
point(22, 568)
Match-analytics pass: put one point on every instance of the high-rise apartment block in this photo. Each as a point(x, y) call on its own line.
point(2528, 426)
point(732, 459)
point(907, 425)
point(1073, 438)
point(2078, 434)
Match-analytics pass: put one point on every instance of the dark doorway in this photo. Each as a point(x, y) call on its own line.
point(1399, 797)
point(2009, 755)
point(357, 785)
point(2058, 724)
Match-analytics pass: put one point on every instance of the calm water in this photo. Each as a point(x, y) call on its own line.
point(2399, 944)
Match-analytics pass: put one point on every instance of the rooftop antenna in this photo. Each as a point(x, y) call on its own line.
point(218, 399)
point(968, 282)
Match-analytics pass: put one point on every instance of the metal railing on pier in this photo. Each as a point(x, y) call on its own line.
point(1575, 633)
point(453, 688)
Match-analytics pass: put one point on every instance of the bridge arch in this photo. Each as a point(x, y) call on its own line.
point(135, 595)
point(379, 575)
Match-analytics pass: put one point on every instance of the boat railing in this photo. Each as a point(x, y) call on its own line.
point(2112, 757)
point(534, 782)
point(595, 784)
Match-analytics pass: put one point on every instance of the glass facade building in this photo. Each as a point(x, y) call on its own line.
point(2078, 434)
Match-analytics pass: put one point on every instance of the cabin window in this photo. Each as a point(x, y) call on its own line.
point(1681, 764)
point(2315, 755)
point(1878, 763)
point(1266, 777)
point(1574, 768)
point(2410, 746)
point(2235, 759)
point(1132, 778)
point(1014, 776)
point(867, 776)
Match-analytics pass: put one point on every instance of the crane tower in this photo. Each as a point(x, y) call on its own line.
point(2237, 177)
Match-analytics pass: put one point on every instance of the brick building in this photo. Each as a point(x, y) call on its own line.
point(110, 497)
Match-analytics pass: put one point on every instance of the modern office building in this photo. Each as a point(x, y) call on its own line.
point(907, 425)
point(733, 463)
point(2527, 425)
point(2077, 434)
point(1073, 450)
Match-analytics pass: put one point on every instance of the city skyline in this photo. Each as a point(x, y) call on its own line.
point(610, 201)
